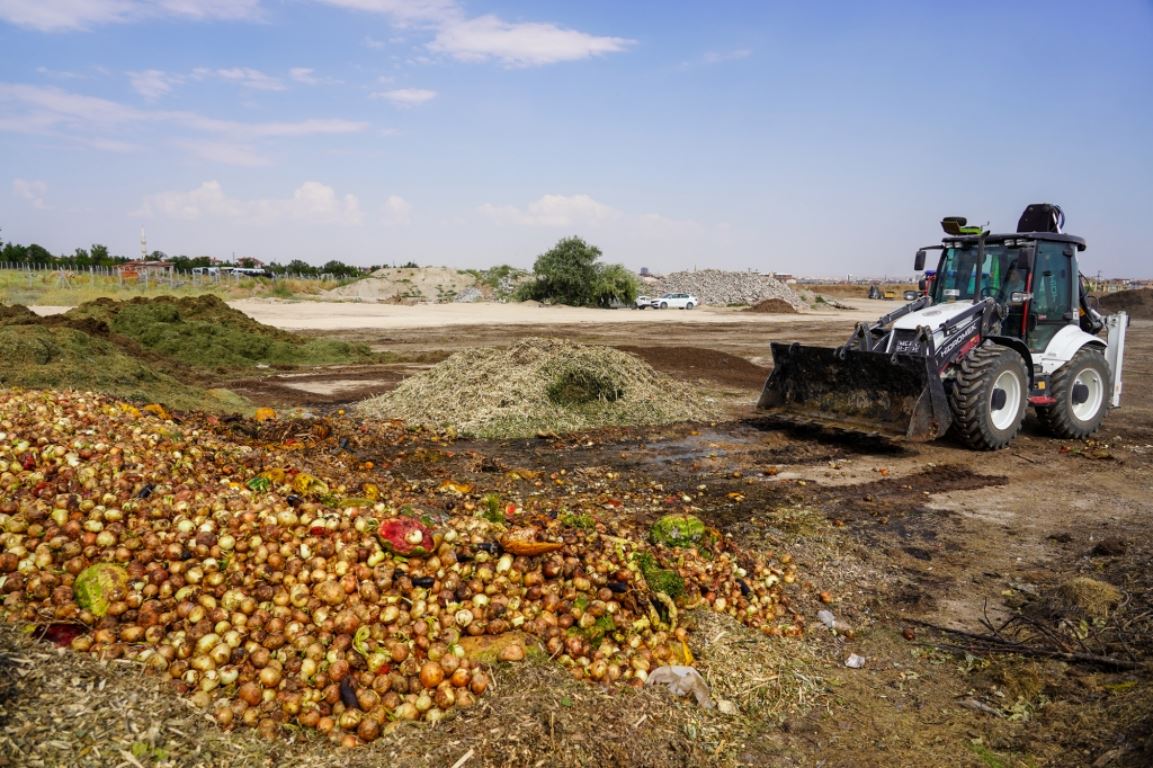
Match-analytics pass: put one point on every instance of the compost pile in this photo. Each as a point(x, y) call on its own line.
point(773, 307)
point(539, 385)
point(152, 349)
point(202, 332)
point(339, 576)
point(1138, 303)
point(60, 352)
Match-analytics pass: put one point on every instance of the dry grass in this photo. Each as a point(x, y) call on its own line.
point(540, 385)
point(768, 679)
point(51, 288)
point(59, 708)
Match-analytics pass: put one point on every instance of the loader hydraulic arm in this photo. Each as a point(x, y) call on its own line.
point(971, 325)
point(871, 337)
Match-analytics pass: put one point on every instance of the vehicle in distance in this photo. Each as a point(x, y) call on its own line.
point(675, 301)
point(643, 302)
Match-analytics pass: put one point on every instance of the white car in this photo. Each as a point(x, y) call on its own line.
point(675, 301)
point(643, 302)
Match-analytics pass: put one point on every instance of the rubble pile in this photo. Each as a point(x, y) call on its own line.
point(717, 287)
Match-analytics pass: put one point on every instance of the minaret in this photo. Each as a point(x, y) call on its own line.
point(143, 245)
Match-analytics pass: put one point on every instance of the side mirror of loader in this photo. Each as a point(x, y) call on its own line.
point(919, 261)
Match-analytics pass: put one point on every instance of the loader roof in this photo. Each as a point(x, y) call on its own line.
point(999, 238)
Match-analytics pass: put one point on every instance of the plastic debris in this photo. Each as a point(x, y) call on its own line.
point(827, 618)
point(682, 681)
point(854, 661)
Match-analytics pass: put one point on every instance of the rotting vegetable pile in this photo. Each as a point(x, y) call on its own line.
point(282, 578)
point(540, 385)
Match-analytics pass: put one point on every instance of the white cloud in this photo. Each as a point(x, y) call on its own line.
point(245, 77)
point(553, 211)
point(304, 75)
point(64, 15)
point(397, 210)
point(406, 97)
point(226, 153)
point(311, 203)
point(60, 74)
point(64, 105)
point(403, 12)
point(31, 190)
point(520, 45)
point(89, 120)
point(481, 38)
point(154, 83)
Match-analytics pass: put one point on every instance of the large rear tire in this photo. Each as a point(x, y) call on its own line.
point(989, 397)
point(1082, 388)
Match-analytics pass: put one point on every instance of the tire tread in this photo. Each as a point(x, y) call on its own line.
point(969, 397)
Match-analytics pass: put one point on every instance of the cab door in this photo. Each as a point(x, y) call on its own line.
point(1053, 289)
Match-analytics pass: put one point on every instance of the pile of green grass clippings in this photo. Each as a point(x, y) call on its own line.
point(41, 356)
point(204, 333)
point(540, 385)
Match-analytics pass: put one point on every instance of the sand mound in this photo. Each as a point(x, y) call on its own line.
point(1138, 303)
point(539, 385)
point(407, 285)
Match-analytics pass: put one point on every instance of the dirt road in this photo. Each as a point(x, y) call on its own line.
point(903, 540)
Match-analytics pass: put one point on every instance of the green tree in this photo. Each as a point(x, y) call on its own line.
point(615, 284)
point(299, 267)
point(38, 254)
point(339, 269)
point(571, 273)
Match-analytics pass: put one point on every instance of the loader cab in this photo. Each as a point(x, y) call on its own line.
point(1033, 276)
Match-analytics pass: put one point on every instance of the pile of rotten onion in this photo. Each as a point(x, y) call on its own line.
point(269, 599)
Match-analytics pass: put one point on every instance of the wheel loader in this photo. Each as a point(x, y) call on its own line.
point(1006, 324)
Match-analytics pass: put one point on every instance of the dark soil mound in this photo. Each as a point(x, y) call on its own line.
point(710, 364)
point(16, 313)
point(1138, 303)
point(773, 306)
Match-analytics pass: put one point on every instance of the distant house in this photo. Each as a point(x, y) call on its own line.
point(134, 270)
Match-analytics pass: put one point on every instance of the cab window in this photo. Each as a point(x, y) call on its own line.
point(1053, 293)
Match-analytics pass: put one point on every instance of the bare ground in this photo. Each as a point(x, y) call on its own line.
point(944, 566)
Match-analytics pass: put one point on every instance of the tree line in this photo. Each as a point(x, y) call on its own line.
point(569, 273)
point(99, 256)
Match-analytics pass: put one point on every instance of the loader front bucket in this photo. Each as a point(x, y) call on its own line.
point(898, 395)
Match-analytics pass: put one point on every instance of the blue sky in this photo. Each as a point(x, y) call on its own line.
point(821, 138)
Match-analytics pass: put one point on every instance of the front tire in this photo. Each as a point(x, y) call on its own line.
point(689, 305)
point(989, 397)
point(664, 305)
point(1082, 388)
